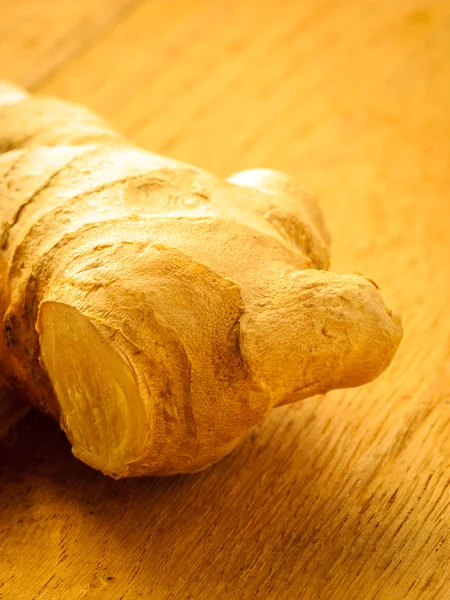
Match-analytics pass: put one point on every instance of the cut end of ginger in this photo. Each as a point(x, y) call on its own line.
point(101, 409)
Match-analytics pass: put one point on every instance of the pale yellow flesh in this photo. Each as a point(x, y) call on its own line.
point(101, 410)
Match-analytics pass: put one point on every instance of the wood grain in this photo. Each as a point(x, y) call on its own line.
point(36, 38)
point(339, 497)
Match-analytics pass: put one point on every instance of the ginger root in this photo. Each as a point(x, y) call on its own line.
point(157, 311)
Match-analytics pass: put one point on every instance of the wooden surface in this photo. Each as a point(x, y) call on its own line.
point(340, 497)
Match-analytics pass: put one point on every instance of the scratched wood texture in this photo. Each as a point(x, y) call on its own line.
point(341, 497)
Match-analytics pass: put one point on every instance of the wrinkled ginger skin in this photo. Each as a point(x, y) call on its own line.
point(157, 311)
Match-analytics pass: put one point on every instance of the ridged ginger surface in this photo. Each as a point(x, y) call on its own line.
point(156, 310)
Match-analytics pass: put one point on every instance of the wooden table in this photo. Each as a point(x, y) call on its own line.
point(340, 497)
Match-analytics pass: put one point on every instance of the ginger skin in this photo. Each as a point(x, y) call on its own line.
point(156, 311)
